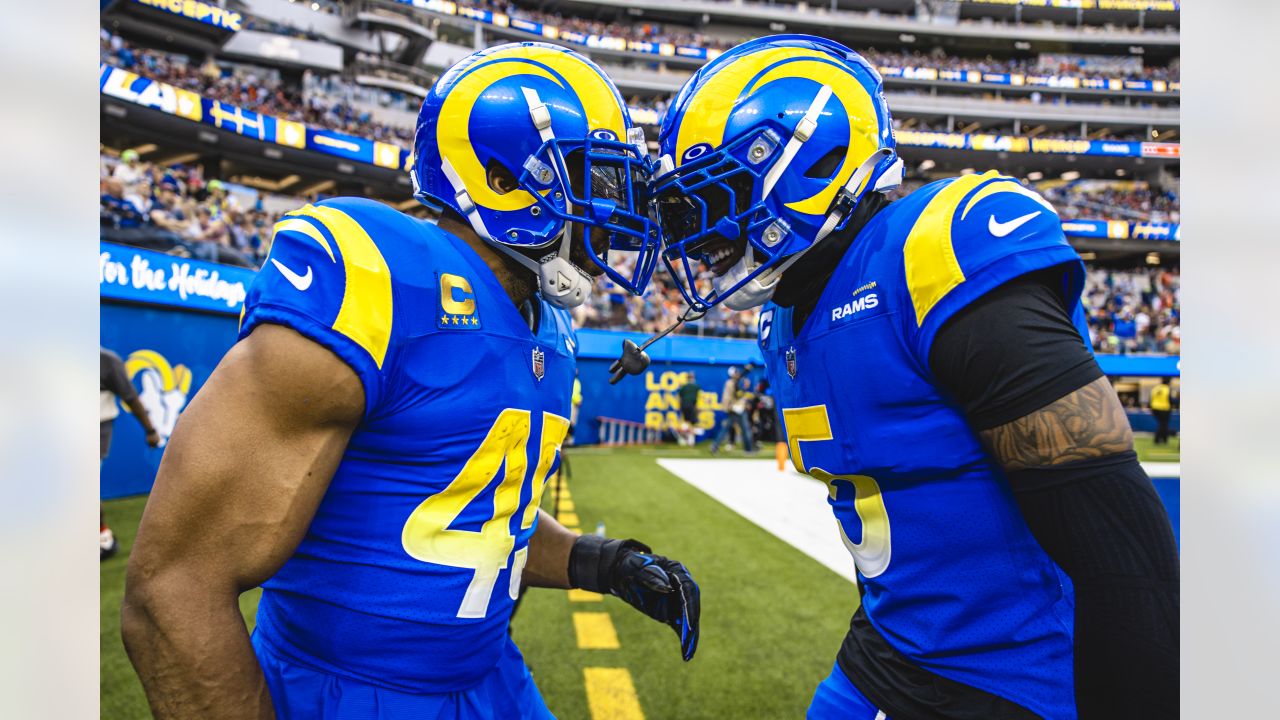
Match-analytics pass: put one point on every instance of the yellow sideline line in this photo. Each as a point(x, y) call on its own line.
point(584, 596)
point(595, 631)
point(566, 505)
point(568, 519)
point(611, 694)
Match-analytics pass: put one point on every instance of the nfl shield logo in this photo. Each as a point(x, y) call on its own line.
point(539, 363)
point(791, 362)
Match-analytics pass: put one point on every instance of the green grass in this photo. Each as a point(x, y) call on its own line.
point(120, 691)
point(1148, 451)
point(772, 617)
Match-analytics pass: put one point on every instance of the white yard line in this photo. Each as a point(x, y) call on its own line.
point(787, 505)
point(1163, 469)
point(790, 506)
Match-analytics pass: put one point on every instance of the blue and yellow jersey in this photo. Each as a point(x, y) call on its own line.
point(408, 572)
point(951, 577)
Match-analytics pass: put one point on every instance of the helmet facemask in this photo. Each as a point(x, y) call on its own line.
point(607, 228)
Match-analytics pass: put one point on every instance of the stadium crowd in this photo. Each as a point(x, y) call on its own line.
point(326, 100)
point(1127, 200)
point(658, 308)
point(1133, 311)
point(653, 32)
point(177, 210)
point(251, 87)
point(1067, 66)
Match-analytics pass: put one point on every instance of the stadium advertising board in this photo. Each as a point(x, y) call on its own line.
point(1122, 230)
point(130, 87)
point(1021, 144)
point(1154, 5)
point(142, 276)
point(1023, 80)
point(206, 13)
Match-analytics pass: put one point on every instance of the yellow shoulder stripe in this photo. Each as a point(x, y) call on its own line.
point(366, 311)
point(929, 255)
point(302, 226)
point(1007, 185)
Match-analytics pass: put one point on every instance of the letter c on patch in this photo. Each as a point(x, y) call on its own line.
point(448, 302)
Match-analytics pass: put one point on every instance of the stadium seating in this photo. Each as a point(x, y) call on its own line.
point(942, 100)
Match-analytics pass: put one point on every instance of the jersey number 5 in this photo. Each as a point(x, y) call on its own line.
point(428, 537)
point(871, 555)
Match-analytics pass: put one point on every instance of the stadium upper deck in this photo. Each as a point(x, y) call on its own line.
point(346, 79)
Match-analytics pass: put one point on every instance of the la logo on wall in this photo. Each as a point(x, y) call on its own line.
point(162, 388)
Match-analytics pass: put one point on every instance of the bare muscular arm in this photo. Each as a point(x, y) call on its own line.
point(244, 471)
point(549, 548)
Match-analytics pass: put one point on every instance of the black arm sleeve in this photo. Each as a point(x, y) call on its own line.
point(1009, 354)
point(1103, 523)
point(1012, 351)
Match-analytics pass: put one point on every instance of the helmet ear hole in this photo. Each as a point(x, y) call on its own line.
point(500, 178)
point(825, 166)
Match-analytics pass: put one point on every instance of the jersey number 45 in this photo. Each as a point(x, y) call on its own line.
point(427, 536)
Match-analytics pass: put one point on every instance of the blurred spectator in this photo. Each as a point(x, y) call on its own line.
point(735, 399)
point(1162, 409)
point(688, 393)
point(129, 173)
point(115, 209)
point(113, 385)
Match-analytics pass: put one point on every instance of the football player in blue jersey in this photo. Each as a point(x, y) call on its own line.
point(1013, 558)
point(374, 448)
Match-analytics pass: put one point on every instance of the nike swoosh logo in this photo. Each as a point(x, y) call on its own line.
point(1000, 229)
point(302, 282)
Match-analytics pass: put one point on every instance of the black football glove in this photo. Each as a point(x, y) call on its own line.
point(656, 586)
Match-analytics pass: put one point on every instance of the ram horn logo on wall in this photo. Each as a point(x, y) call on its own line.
point(162, 387)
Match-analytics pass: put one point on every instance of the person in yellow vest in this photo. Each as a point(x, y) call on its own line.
point(1162, 408)
point(575, 403)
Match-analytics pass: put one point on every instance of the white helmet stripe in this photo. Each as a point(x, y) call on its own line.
point(855, 180)
point(540, 114)
point(464, 200)
point(804, 130)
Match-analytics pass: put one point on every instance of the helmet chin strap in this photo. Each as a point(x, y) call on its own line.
point(759, 289)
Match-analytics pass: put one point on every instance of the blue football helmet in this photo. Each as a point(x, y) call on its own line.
point(547, 119)
point(764, 152)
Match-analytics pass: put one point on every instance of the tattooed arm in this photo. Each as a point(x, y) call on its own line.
point(1086, 423)
point(1035, 396)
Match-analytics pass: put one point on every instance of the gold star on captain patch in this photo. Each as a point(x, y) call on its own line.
point(475, 321)
point(455, 319)
point(444, 318)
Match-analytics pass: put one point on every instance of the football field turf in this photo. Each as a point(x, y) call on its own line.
point(772, 617)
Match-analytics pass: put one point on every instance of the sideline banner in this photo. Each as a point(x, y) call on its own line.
point(173, 319)
point(135, 275)
point(168, 354)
